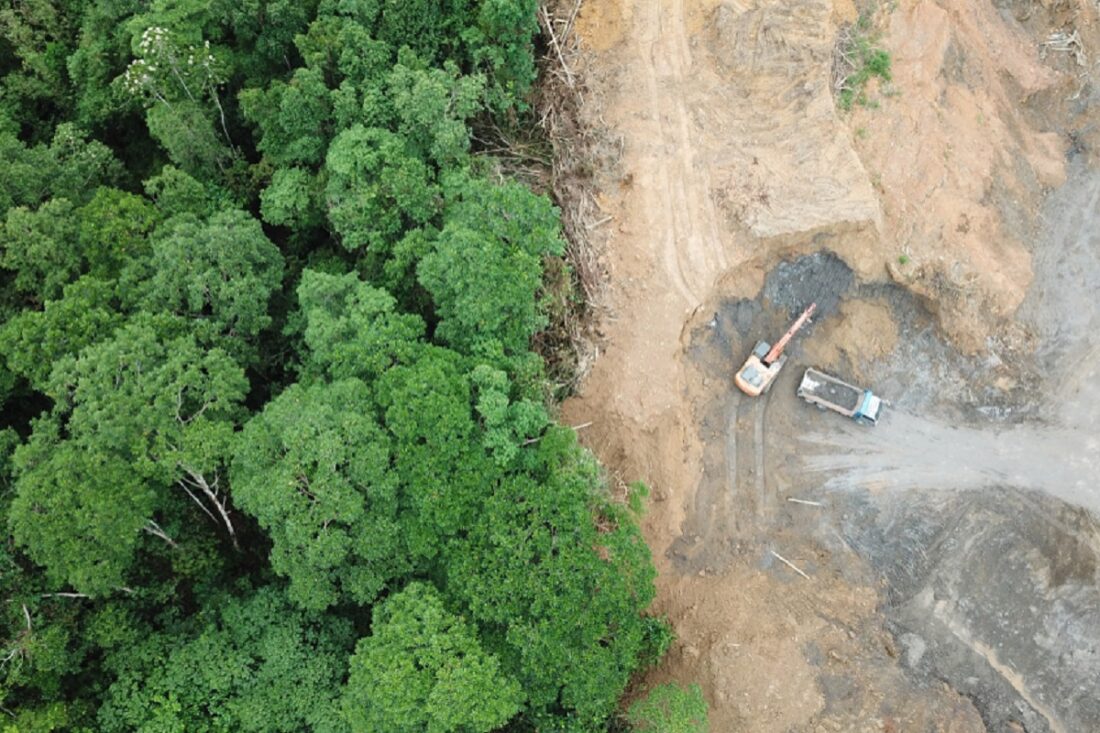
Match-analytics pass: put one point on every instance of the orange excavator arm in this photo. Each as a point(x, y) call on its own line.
point(781, 344)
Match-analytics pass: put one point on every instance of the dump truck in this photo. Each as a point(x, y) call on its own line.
point(761, 368)
point(826, 392)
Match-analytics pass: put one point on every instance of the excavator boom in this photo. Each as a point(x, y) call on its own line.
point(781, 344)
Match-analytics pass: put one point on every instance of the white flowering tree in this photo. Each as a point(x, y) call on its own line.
point(179, 86)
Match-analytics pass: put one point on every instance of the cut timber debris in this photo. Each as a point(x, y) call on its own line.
point(807, 502)
point(789, 564)
point(1065, 42)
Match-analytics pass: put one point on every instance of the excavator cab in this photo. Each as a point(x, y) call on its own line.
point(761, 368)
point(756, 377)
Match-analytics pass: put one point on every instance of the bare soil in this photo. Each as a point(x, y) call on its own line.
point(952, 562)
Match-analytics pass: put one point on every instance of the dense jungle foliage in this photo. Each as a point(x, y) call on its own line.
point(275, 453)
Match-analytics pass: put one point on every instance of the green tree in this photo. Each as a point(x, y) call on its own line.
point(152, 395)
point(295, 118)
point(148, 418)
point(339, 43)
point(263, 33)
point(70, 167)
point(33, 341)
point(218, 274)
point(76, 165)
point(500, 40)
point(486, 266)
point(422, 670)
point(77, 512)
point(444, 472)
point(40, 247)
point(418, 24)
point(670, 708)
point(36, 36)
point(314, 469)
point(565, 575)
point(52, 246)
point(293, 199)
point(175, 192)
point(101, 54)
point(187, 133)
point(376, 188)
point(507, 422)
point(432, 108)
point(254, 665)
point(180, 85)
point(353, 329)
point(40, 640)
point(415, 447)
point(113, 229)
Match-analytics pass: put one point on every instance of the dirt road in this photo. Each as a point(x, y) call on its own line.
point(740, 195)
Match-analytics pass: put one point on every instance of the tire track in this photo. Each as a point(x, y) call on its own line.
point(682, 190)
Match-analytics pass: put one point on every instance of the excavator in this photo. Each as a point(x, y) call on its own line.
point(761, 368)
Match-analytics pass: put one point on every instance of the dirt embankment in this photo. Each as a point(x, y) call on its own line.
point(962, 151)
point(734, 158)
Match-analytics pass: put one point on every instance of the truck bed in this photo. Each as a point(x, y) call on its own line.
point(819, 387)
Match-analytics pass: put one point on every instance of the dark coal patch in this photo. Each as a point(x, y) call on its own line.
point(821, 278)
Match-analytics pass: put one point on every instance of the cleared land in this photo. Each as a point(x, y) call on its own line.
point(948, 236)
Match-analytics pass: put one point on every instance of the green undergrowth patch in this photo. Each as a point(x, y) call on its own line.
point(859, 59)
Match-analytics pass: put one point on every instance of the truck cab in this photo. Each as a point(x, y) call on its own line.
point(869, 408)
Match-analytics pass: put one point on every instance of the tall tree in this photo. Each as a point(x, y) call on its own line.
point(486, 267)
point(376, 188)
point(140, 421)
point(218, 274)
point(39, 247)
point(354, 329)
point(314, 468)
point(445, 473)
point(564, 574)
point(33, 341)
point(78, 513)
point(422, 670)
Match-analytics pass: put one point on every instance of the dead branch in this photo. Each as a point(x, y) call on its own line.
point(196, 499)
point(196, 480)
point(155, 529)
point(1065, 42)
point(537, 438)
point(65, 594)
point(548, 26)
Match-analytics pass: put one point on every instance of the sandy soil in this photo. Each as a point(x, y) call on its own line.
point(734, 160)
